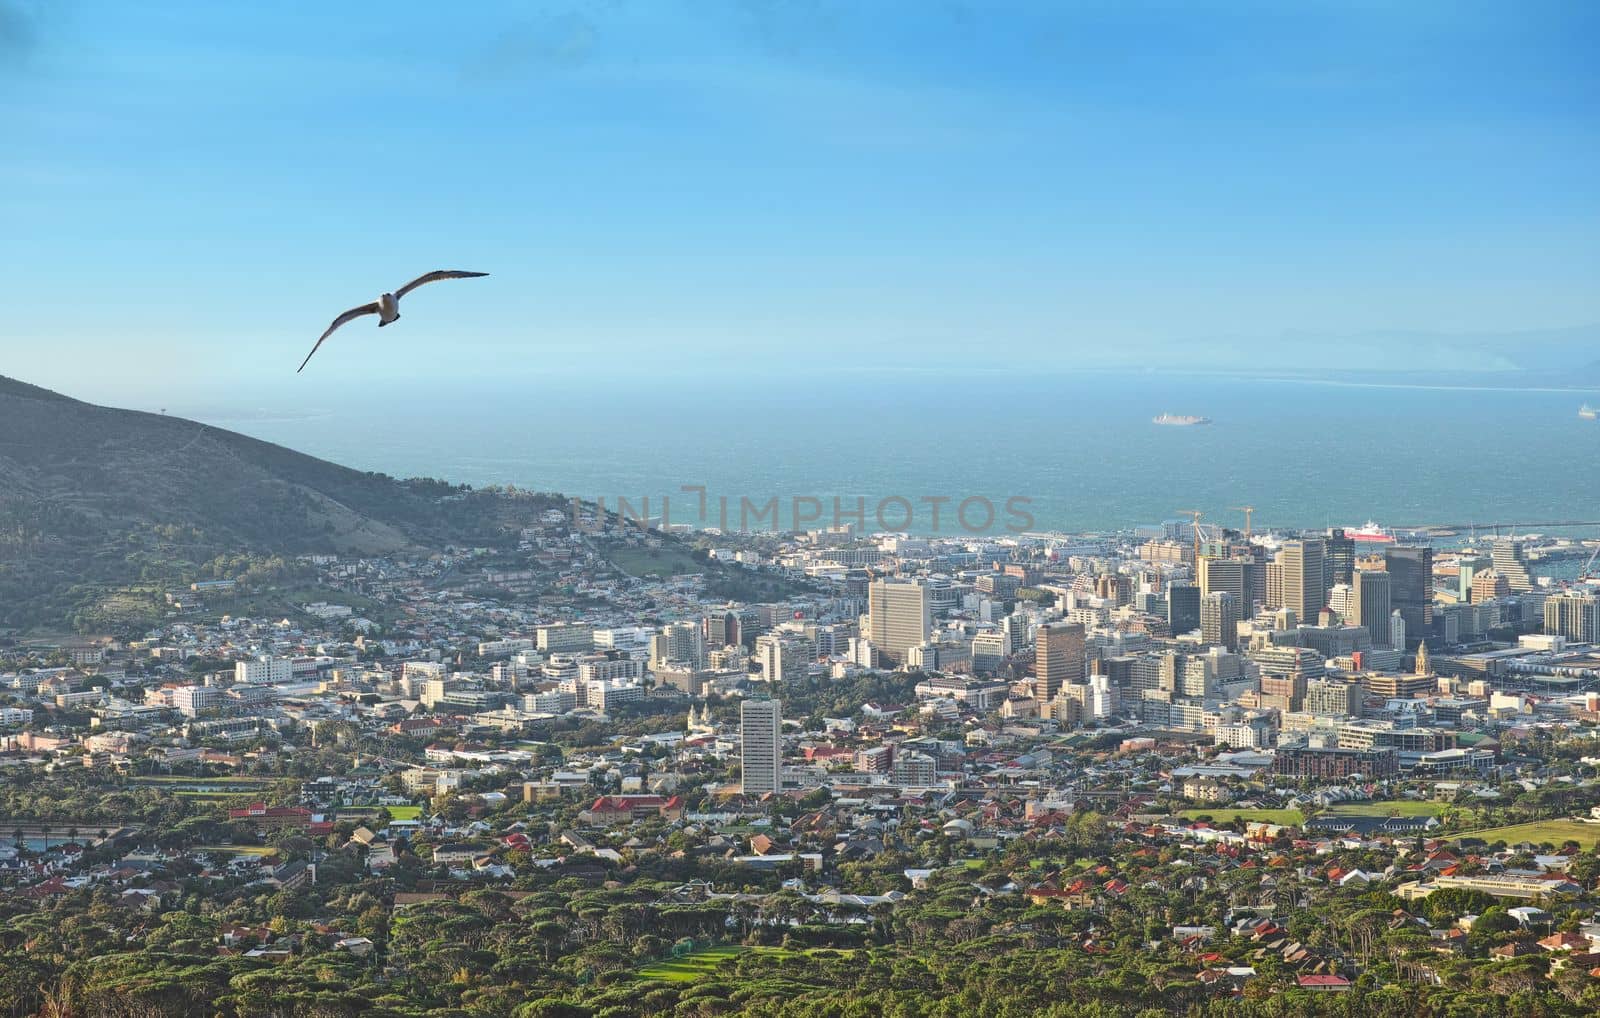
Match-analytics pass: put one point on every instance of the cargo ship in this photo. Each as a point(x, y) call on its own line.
point(1370, 534)
point(1179, 420)
point(1588, 412)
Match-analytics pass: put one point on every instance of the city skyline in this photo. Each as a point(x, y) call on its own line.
point(762, 591)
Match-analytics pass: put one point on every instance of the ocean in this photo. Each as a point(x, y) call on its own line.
point(1080, 450)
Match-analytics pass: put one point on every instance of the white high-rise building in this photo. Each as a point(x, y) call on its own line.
point(1341, 598)
point(678, 642)
point(900, 616)
point(192, 700)
point(269, 670)
point(1574, 614)
point(1017, 631)
point(760, 746)
point(1397, 631)
point(783, 656)
point(1102, 697)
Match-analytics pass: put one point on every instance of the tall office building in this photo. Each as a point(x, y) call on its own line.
point(1342, 602)
point(731, 627)
point(1397, 630)
point(1339, 565)
point(1371, 604)
point(1059, 656)
point(1468, 566)
point(1511, 562)
point(1573, 614)
point(1183, 608)
point(1410, 568)
point(681, 642)
point(760, 747)
point(900, 616)
point(1219, 620)
point(1244, 578)
point(1488, 585)
point(784, 657)
point(1304, 584)
point(1285, 671)
point(1333, 696)
point(1015, 627)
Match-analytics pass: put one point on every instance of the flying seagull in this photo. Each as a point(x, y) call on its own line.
point(386, 307)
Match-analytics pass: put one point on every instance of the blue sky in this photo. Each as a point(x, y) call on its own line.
point(190, 191)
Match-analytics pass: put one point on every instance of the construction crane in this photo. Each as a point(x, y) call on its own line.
point(1588, 567)
point(1194, 515)
point(1247, 510)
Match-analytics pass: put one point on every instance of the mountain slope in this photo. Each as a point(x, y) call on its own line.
point(101, 495)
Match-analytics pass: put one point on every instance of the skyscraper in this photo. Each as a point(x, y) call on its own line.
point(1244, 578)
point(1304, 583)
point(1410, 569)
point(900, 616)
point(1219, 620)
point(1015, 626)
point(1574, 614)
point(1340, 563)
point(731, 627)
point(1372, 604)
point(1183, 608)
point(678, 642)
point(760, 746)
point(1058, 658)
point(1511, 562)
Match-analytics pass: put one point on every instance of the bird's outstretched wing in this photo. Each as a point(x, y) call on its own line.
point(434, 277)
point(351, 315)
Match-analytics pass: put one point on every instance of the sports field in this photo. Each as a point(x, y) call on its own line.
point(1555, 832)
point(1284, 817)
point(1388, 808)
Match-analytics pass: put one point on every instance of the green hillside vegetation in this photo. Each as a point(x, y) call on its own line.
point(102, 511)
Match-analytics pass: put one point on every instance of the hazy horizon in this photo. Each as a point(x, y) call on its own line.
point(1081, 449)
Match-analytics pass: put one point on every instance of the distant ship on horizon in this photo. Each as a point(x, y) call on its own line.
point(1588, 412)
point(1179, 420)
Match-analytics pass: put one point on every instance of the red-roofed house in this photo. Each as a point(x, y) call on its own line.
point(618, 810)
point(1324, 984)
point(271, 818)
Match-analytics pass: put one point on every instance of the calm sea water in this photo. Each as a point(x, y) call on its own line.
point(1082, 449)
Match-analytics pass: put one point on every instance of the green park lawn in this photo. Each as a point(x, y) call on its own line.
point(700, 964)
point(1540, 831)
point(404, 812)
point(692, 966)
point(1218, 815)
point(658, 562)
point(1388, 808)
point(258, 850)
point(241, 780)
